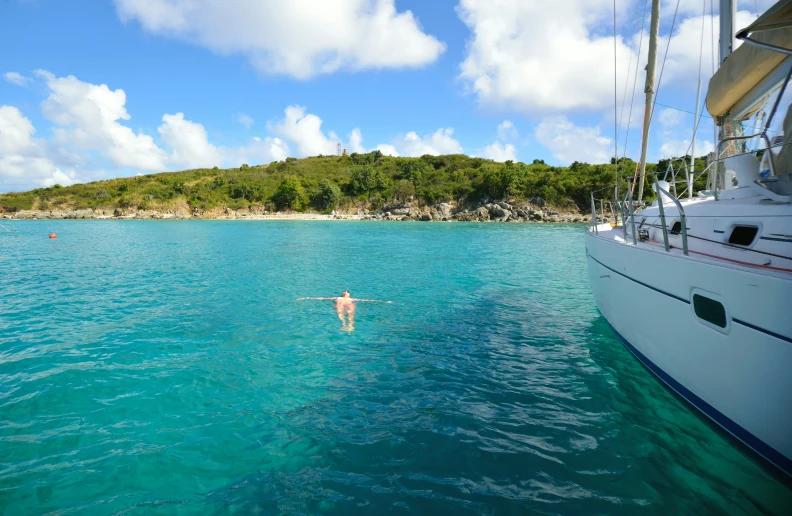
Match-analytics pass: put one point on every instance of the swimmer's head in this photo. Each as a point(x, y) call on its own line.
point(345, 293)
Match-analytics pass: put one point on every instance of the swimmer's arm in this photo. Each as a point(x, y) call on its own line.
point(371, 301)
point(316, 299)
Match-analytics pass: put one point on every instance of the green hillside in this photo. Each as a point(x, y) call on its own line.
point(323, 183)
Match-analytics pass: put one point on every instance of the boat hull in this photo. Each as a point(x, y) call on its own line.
point(739, 376)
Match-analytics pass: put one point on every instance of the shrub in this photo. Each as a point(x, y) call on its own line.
point(327, 195)
point(368, 180)
point(289, 194)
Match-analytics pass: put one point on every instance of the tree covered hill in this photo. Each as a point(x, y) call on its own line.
point(323, 183)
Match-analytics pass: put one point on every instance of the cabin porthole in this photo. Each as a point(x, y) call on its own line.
point(710, 311)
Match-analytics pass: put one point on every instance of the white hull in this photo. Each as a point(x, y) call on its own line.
point(739, 376)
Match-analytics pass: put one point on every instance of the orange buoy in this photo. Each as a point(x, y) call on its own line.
point(53, 235)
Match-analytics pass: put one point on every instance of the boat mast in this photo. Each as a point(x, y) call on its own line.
point(654, 31)
point(692, 168)
point(727, 13)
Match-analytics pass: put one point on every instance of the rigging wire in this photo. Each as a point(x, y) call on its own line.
point(665, 57)
point(635, 81)
point(684, 110)
point(615, 108)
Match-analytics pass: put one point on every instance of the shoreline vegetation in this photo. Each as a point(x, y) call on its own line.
point(368, 186)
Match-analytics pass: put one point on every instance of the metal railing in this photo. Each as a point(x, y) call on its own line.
point(682, 219)
point(629, 214)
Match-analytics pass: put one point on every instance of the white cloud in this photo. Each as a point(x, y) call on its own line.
point(532, 57)
point(356, 142)
point(677, 148)
point(244, 119)
point(500, 152)
point(669, 118)
point(16, 78)
point(506, 131)
point(190, 147)
point(387, 149)
point(569, 142)
point(23, 159)
point(682, 63)
point(299, 39)
point(89, 118)
point(305, 130)
point(440, 142)
point(257, 151)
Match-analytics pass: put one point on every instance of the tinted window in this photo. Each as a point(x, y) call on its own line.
point(743, 235)
point(676, 228)
point(709, 310)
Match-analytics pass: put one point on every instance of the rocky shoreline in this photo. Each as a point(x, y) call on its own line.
point(443, 212)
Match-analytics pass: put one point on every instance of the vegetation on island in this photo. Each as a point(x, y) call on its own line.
point(324, 183)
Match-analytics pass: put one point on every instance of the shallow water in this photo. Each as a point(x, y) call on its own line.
point(165, 367)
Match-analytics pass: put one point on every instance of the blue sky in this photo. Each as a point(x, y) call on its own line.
point(95, 89)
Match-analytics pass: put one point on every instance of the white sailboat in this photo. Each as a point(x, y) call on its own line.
point(699, 288)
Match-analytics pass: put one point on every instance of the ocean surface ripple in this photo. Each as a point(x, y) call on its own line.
point(165, 367)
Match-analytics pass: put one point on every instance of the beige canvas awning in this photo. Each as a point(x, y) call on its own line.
point(778, 16)
point(748, 65)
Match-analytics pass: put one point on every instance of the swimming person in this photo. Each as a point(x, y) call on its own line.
point(345, 307)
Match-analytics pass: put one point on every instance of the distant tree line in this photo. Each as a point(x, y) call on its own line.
point(324, 183)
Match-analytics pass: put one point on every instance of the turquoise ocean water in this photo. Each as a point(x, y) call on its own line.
point(165, 368)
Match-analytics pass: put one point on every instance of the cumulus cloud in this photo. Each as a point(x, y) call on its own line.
point(305, 130)
point(244, 119)
point(682, 63)
point(190, 147)
point(16, 78)
point(300, 39)
point(669, 118)
point(24, 162)
point(569, 142)
point(258, 150)
point(87, 133)
point(528, 57)
point(506, 131)
point(387, 149)
point(356, 142)
point(88, 116)
point(677, 148)
point(498, 151)
point(501, 150)
point(440, 142)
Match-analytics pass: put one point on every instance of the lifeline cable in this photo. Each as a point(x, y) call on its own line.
point(17, 237)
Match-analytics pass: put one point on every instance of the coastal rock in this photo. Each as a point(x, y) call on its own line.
point(498, 211)
point(482, 213)
point(426, 217)
point(443, 209)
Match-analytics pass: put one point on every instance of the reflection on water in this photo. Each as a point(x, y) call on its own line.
point(165, 367)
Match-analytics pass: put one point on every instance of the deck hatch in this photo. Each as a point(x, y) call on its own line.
point(709, 310)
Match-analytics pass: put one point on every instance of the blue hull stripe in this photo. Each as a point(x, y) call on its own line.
point(769, 453)
point(757, 328)
point(776, 239)
point(738, 321)
point(766, 451)
point(641, 282)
